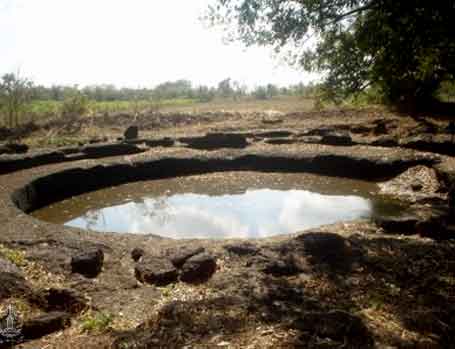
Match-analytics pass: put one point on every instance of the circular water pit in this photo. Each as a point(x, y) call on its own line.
point(236, 204)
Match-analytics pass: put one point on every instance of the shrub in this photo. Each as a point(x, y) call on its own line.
point(75, 104)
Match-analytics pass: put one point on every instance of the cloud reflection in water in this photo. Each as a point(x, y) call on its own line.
point(253, 214)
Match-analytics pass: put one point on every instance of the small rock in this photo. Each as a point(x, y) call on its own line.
point(198, 268)
point(322, 245)
point(101, 150)
point(398, 225)
point(88, 263)
point(337, 139)
point(12, 282)
point(281, 267)
point(179, 256)
point(242, 248)
point(212, 141)
point(321, 131)
point(360, 129)
point(137, 253)
point(8, 267)
point(12, 285)
point(385, 141)
point(336, 325)
point(45, 324)
point(156, 271)
point(13, 148)
point(131, 132)
point(67, 300)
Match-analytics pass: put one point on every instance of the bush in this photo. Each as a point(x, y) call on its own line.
point(75, 104)
point(15, 95)
point(260, 93)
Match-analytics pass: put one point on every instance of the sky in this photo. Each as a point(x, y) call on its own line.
point(128, 43)
point(226, 216)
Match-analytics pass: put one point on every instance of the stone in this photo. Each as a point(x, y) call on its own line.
point(45, 324)
point(321, 131)
point(137, 253)
point(277, 264)
point(281, 267)
point(430, 143)
point(198, 268)
point(434, 230)
point(162, 142)
point(337, 139)
point(8, 267)
point(12, 282)
point(66, 300)
point(88, 263)
point(156, 271)
point(242, 248)
point(13, 148)
point(322, 245)
point(10, 163)
point(212, 141)
point(337, 325)
point(385, 141)
point(326, 251)
point(361, 129)
point(398, 225)
point(180, 255)
point(275, 134)
point(131, 132)
point(13, 285)
point(101, 150)
point(280, 141)
point(414, 184)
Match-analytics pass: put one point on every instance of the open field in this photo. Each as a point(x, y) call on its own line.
point(100, 120)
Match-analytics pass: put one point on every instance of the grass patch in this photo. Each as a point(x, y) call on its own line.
point(128, 106)
point(96, 322)
point(14, 256)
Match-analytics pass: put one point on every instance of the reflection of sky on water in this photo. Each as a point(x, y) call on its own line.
point(253, 214)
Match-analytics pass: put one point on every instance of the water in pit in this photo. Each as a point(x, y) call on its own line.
point(221, 205)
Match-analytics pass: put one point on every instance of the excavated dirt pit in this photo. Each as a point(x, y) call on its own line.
point(222, 205)
point(356, 283)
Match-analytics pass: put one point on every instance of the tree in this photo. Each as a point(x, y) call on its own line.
point(224, 88)
point(75, 104)
point(406, 48)
point(15, 93)
point(173, 89)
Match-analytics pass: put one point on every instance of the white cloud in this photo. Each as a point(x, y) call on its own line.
point(128, 43)
point(253, 214)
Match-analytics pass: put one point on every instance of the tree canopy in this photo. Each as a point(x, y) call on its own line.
point(406, 48)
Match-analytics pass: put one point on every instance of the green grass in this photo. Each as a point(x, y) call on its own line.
point(96, 322)
point(119, 106)
point(41, 109)
point(14, 256)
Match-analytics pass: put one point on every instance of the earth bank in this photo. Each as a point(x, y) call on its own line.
point(388, 283)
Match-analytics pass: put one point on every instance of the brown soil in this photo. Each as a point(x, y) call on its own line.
point(350, 285)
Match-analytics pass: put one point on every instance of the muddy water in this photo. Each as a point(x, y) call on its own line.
point(221, 205)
